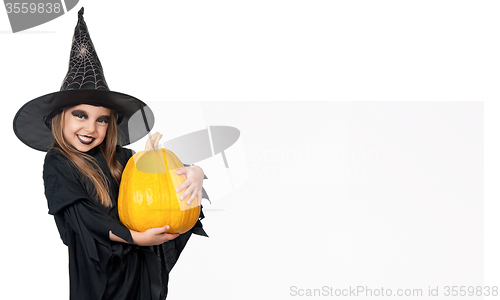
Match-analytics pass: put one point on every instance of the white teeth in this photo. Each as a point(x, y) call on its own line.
point(85, 139)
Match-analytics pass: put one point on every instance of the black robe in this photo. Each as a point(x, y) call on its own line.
point(100, 268)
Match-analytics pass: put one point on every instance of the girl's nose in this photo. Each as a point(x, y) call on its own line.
point(90, 127)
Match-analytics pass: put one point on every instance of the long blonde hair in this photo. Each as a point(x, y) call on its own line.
point(86, 164)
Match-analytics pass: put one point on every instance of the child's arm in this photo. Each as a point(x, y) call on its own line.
point(150, 237)
point(193, 183)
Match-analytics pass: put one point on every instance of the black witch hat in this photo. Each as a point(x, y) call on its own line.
point(84, 84)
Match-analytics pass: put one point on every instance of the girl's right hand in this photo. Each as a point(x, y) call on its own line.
point(153, 236)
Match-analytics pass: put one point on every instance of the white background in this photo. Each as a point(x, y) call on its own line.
point(402, 87)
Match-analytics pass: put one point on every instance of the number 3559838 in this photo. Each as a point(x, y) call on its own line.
point(33, 8)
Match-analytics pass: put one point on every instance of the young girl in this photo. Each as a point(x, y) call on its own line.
point(84, 127)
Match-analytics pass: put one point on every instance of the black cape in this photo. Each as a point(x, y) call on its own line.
point(100, 268)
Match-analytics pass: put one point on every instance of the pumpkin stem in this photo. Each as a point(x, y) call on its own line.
point(153, 141)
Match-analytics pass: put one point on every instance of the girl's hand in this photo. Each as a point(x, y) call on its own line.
point(153, 236)
point(193, 183)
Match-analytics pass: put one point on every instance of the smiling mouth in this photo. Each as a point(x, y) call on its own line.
point(86, 140)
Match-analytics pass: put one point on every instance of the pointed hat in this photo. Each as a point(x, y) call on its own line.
point(84, 84)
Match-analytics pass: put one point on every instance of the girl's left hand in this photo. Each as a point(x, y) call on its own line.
point(193, 183)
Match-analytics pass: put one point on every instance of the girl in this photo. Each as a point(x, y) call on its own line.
point(84, 128)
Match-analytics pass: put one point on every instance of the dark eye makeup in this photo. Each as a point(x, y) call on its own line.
point(103, 119)
point(83, 115)
point(79, 114)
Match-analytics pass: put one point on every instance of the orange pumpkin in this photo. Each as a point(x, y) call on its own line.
point(147, 196)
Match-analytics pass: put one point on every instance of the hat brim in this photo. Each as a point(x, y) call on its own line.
point(32, 121)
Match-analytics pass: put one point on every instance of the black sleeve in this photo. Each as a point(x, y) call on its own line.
point(63, 186)
point(68, 200)
point(83, 215)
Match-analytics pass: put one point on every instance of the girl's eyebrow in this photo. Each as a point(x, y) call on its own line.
point(105, 117)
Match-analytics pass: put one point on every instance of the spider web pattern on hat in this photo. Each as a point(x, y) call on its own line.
point(85, 70)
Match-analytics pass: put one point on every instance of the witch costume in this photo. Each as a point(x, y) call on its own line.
point(99, 268)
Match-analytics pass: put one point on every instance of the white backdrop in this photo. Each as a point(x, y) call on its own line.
point(387, 179)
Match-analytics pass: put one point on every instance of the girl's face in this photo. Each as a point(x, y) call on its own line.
point(84, 126)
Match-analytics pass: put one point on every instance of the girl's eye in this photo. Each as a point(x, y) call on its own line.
point(79, 115)
point(102, 121)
